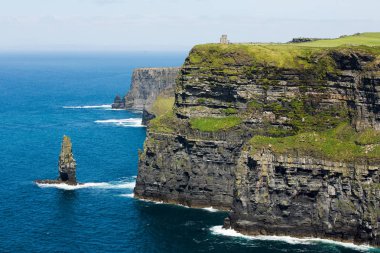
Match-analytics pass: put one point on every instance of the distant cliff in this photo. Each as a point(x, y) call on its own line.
point(146, 85)
point(287, 136)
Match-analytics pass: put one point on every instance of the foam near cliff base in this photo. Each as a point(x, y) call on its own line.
point(131, 122)
point(219, 230)
point(128, 195)
point(89, 107)
point(211, 209)
point(101, 185)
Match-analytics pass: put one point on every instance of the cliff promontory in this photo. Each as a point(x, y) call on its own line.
point(286, 136)
point(152, 92)
point(146, 85)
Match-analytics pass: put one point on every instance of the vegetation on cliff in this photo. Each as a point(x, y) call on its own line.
point(367, 39)
point(165, 123)
point(313, 66)
point(342, 143)
point(292, 56)
point(210, 124)
point(162, 105)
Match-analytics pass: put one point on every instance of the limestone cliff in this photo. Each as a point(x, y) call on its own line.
point(146, 85)
point(286, 136)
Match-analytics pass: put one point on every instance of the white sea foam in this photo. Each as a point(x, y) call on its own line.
point(211, 209)
point(102, 185)
point(219, 230)
point(128, 195)
point(131, 122)
point(89, 107)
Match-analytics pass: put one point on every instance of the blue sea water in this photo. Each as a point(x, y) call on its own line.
point(43, 97)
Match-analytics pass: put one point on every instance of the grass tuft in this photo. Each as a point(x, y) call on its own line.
point(210, 124)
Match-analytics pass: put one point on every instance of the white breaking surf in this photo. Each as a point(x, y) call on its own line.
point(211, 209)
point(128, 195)
point(89, 107)
point(101, 185)
point(130, 122)
point(219, 230)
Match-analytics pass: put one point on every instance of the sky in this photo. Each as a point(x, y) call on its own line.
point(174, 25)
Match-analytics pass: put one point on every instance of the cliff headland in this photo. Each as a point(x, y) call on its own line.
point(151, 91)
point(286, 136)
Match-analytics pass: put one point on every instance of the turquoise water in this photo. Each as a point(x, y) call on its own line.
point(43, 97)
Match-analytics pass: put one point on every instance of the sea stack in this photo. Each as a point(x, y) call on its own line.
point(66, 165)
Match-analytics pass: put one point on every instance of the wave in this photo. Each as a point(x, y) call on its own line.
point(101, 185)
point(89, 107)
point(131, 122)
point(211, 209)
point(219, 230)
point(128, 195)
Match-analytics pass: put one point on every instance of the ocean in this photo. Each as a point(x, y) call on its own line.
point(44, 96)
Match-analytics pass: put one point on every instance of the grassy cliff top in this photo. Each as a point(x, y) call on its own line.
point(289, 55)
point(360, 39)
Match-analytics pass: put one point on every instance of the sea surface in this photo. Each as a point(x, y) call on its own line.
point(44, 96)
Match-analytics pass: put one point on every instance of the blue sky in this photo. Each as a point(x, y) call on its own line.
point(174, 25)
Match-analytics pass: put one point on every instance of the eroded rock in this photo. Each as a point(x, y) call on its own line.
point(66, 165)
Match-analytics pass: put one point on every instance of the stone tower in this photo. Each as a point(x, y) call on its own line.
point(223, 39)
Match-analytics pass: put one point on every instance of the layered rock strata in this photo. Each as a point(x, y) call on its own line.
point(146, 85)
point(201, 153)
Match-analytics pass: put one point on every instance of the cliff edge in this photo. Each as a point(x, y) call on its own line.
point(286, 136)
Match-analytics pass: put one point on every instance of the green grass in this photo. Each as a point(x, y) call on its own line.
point(165, 123)
point(285, 55)
point(342, 143)
point(291, 55)
point(209, 124)
point(362, 39)
point(162, 105)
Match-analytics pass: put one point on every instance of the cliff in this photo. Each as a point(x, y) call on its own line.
point(146, 85)
point(286, 136)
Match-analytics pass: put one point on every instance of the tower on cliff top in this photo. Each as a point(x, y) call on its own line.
point(224, 40)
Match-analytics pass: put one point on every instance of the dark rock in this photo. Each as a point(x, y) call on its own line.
point(147, 116)
point(118, 103)
point(304, 196)
point(147, 84)
point(66, 165)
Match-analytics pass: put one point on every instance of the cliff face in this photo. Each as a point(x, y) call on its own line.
point(147, 84)
point(304, 196)
point(285, 136)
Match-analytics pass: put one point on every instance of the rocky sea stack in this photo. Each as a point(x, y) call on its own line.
point(66, 165)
